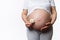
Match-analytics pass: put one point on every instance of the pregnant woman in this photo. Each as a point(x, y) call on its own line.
point(39, 17)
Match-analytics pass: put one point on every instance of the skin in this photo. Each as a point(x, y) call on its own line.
point(24, 17)
point(53, 16)
point(28, 24)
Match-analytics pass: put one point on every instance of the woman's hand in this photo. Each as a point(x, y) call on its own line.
point(47, 25)
point(28, 24)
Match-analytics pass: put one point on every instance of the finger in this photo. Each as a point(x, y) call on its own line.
point(44, 27)
point(48, 23)
point(28, 25)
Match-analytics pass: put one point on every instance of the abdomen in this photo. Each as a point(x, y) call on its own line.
point(40, 16)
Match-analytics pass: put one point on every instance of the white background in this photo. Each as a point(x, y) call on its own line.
point(11, 25)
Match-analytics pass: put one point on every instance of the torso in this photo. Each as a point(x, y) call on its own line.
point(41, 17)
point(39, 10)
point(38, 4)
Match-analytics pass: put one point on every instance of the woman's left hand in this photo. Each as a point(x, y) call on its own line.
point(47, 25)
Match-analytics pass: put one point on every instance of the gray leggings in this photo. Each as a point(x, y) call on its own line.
point(38, 35)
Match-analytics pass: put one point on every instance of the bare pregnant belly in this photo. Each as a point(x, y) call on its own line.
point(41, 17)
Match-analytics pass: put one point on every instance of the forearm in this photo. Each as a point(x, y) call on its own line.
point(54, 17)
point(24, 17)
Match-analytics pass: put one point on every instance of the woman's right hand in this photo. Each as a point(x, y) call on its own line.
point(28, 24)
